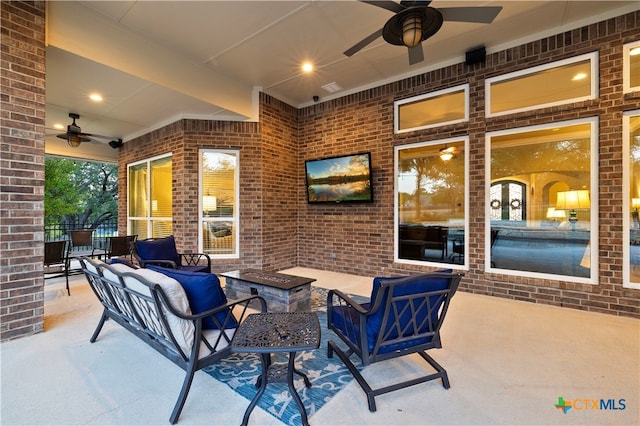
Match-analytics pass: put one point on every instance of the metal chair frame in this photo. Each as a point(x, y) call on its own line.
point(397, 335)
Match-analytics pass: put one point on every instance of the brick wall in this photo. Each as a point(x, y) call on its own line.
point(183, 139)
point(362, 236)
point(22, 109)
point(280, 190)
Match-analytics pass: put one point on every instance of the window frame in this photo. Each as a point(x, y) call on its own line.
point(626, 205)
point(626, 67)
point(594, 88)
point(396, 206)
point(593, 194)
point(149, 218)
point(397, 105)
point(236, 210)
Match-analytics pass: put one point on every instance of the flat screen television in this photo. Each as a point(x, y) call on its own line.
point(343, 179)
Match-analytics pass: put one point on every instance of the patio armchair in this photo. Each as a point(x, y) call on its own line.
point(55, 255)
point(162, 252)
point(403, 317)
point(120, 245)
point(81, 244)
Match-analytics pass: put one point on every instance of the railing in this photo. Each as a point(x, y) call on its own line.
point(101, 233)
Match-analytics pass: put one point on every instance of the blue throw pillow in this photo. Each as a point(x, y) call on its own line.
point(160, 248)
point(123, 261)
point(204, 293)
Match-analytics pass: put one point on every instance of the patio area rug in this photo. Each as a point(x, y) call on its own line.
point(327, 376)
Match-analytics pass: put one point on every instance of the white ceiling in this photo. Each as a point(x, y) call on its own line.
point(158, 61)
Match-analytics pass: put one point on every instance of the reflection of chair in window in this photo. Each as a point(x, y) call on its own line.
point(403, 317)
point(457, 250)
point(55, 256)
point(494, 237)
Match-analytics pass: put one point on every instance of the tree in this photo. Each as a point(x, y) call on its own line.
point(80, 194)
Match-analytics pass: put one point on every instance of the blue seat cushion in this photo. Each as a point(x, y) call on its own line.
point(204, 293)
point(374, 321)
point(158, 249)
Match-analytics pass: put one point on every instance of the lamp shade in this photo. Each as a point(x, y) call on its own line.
point(635, 203)
point(552, 213)
point(209, 203)
point(571, 200)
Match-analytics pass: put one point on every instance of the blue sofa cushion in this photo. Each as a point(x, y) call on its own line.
point(204, 293)
point(158, 249)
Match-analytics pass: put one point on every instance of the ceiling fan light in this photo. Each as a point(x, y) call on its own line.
point(74, 141)
point(412, 30)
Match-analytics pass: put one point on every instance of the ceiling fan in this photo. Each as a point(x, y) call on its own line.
point(75, 137)
point(415, 21)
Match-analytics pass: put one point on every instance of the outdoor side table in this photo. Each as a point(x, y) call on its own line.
point(271, 332)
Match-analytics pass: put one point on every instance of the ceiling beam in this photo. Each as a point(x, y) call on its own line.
point(77, 29)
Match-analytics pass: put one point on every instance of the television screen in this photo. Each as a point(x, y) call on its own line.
point(345, 179)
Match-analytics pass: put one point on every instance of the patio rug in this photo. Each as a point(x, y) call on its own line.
point(328, 376)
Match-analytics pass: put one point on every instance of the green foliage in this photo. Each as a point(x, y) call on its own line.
point(60, 195)
point(80, 192)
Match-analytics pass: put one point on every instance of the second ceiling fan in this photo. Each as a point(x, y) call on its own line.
point(415, 21)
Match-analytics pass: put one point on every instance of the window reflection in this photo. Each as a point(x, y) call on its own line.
point(634, 198)
point(539, 204)
point(431, 202)
point(219, 194)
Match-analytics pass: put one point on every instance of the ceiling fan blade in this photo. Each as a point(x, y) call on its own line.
point(482, 15)
point(415, 54)
point(389, 5)
point(362, 43)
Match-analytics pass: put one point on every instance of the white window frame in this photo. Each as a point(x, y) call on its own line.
point(626, 206)
point(626, 67)
point(593, 61)
point(396, 220)
point(398, 104)
point(149, 219)
point(236, 210)
point(593, 195)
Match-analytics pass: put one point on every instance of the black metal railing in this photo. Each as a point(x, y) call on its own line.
point(60, 231)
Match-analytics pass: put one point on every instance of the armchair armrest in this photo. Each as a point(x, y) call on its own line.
point(193, 259)
point(338, 298)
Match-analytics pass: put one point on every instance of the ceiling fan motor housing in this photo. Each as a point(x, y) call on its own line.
point(430, 18)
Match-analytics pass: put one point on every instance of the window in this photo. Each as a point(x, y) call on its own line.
point(219, 195)
point(447, 106)
point(541, 209)
point(557, 83)
point(431, 207)
point(150, 199)
point(631, 67)
point(631, 170)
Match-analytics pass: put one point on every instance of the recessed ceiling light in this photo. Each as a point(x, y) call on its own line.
point(635, 51)
point(307, 67)
point(579, 76)
point(96, 97)
point(58, 126)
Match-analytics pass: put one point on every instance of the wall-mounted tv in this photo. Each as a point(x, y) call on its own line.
point(344, 179)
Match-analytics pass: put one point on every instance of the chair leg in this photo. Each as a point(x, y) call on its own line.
point(186, 385)
point(442, 373)
point(332, 347)
point(66, 274)
point(99, 327)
